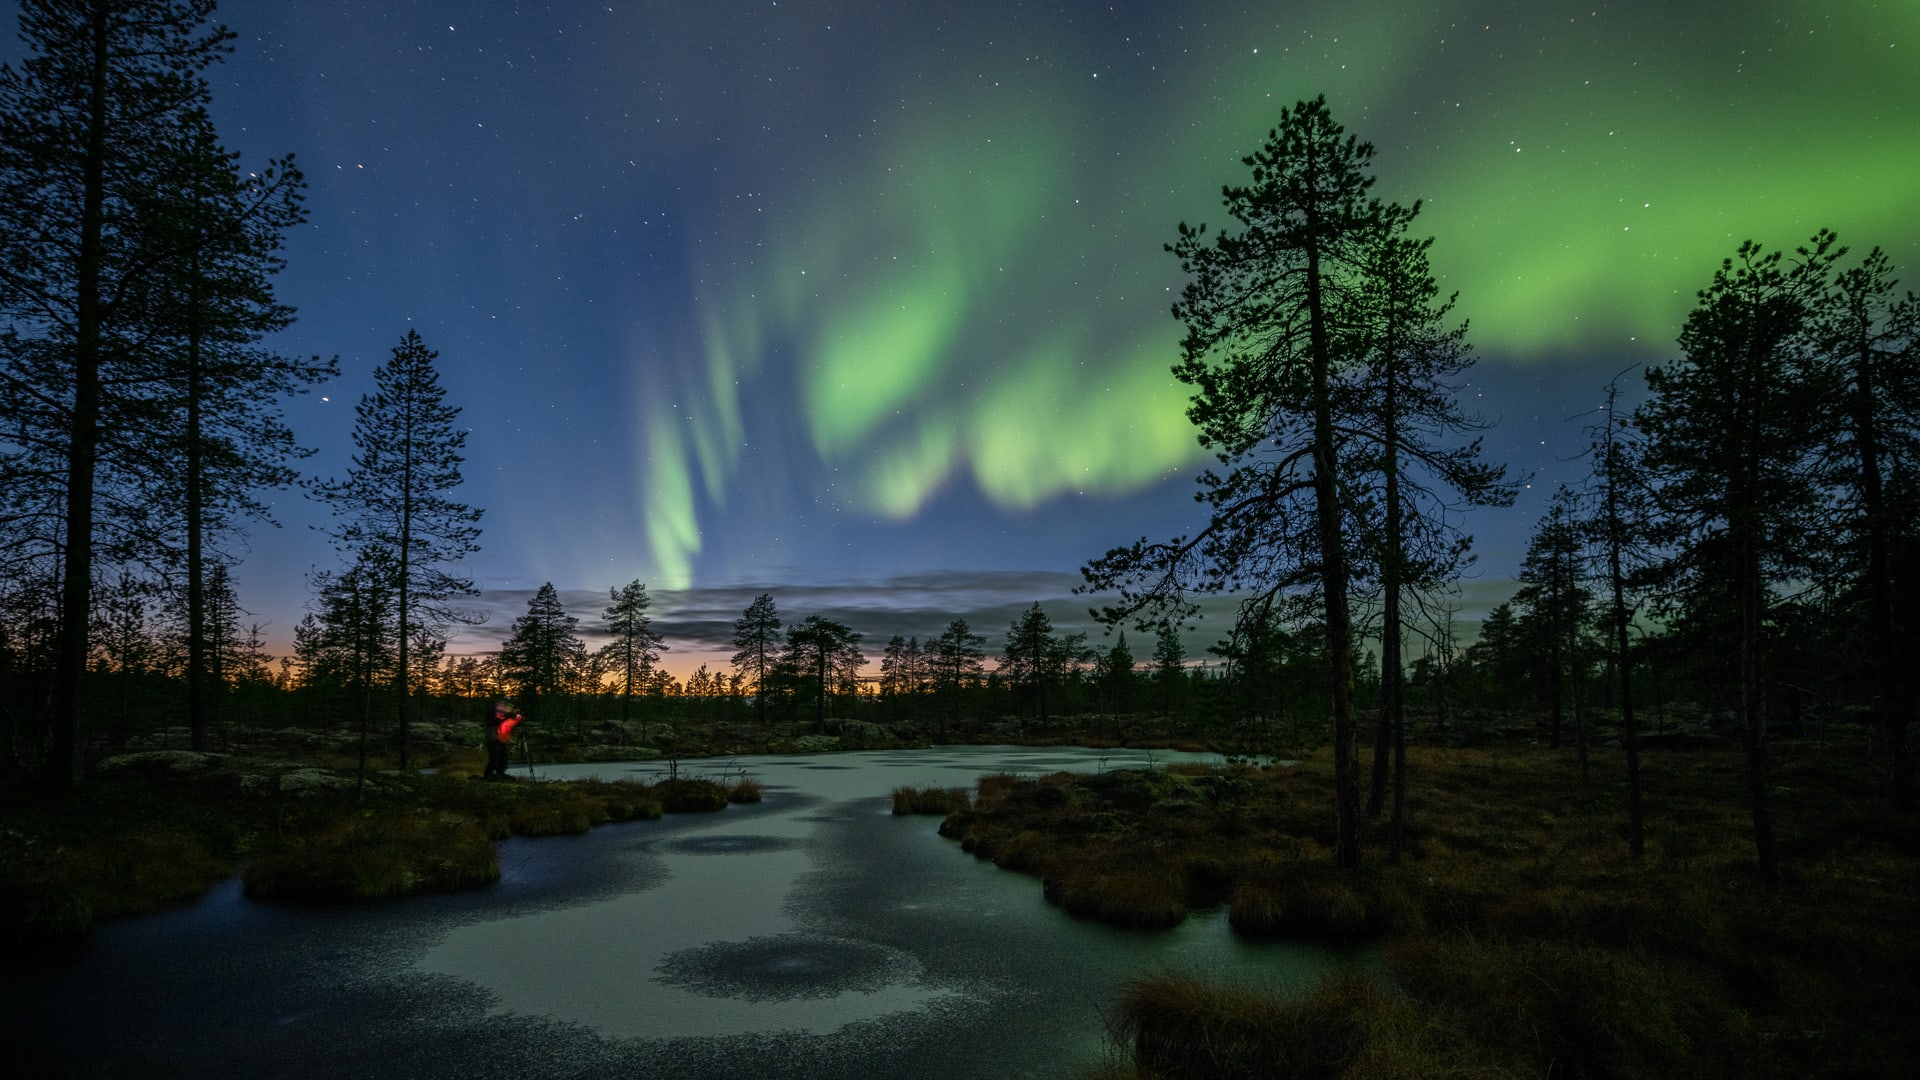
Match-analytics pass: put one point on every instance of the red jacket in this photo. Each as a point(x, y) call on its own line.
point(503, 728)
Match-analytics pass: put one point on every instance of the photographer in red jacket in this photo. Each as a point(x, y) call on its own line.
point(499, 734)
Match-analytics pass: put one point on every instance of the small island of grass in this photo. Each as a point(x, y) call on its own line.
point(159, 827)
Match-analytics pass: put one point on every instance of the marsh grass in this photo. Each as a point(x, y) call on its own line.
point(138, 842)
point(941, 801)
point(1517, 936)
point(375, 855)
point(1150, 896)
point(1180, 1025)
point(744, 790)
point(681, 795)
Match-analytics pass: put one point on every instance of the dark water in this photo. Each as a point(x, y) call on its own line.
point(813, 935)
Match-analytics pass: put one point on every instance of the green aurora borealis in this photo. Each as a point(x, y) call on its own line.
point(865, 303)
point(970, 288)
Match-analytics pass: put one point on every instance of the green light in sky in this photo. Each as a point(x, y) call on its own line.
point(1066, 419)
point(910, 466)
point(672, 529)
point(902, 280)
point(976, 287)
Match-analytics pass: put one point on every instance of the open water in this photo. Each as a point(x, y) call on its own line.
point(813, 935)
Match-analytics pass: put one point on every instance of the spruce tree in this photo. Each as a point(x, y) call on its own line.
point(1032, 658)
point(541, 649)
point(756, 639)
point(636, 645)
point(1169, 665)
point(1558, 606)
point(1116, 676)
point(1403, 399)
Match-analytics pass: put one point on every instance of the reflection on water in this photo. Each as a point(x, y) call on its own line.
point(606, 965)
point(811, 935)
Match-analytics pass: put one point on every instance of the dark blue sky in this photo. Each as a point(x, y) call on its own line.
point(864, 304)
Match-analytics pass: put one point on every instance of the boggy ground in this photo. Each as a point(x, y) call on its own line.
point(1516, 937)
point(158, 828)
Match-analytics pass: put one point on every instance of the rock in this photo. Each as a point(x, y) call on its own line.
point(163, 763)
point(308, 781)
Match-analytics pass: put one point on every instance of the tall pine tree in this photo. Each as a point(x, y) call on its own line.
point(1265, 354)
point(99, 116)
point(395, 507)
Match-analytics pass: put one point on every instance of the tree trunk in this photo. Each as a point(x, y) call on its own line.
point(1895, 691)
point(195, 512)
point(1392, 687)
point(76, 583)
point(403, 570)
point(1743, 524)
point(1333, 575)
point(1623, 658)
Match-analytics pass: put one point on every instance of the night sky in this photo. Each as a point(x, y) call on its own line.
point(865, 304)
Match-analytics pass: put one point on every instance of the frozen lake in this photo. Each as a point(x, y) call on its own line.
point(812, 935)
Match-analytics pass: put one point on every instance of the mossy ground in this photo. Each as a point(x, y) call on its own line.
point(1516, 934)
point(141, 838)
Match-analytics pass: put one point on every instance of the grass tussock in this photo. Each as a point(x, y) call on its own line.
point(744, 790)
point(1149, 897)
point(684, 796)
point(941, 801)
point(1190, 1028)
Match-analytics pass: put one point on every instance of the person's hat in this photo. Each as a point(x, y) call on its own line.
point(505, 705)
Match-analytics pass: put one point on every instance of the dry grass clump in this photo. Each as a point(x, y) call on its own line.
point(1146, 896)
point(942, 801)
point(154, 864)
point(744, 790)
point(1185, 1027)
point(684, 796)
point(994, 786)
